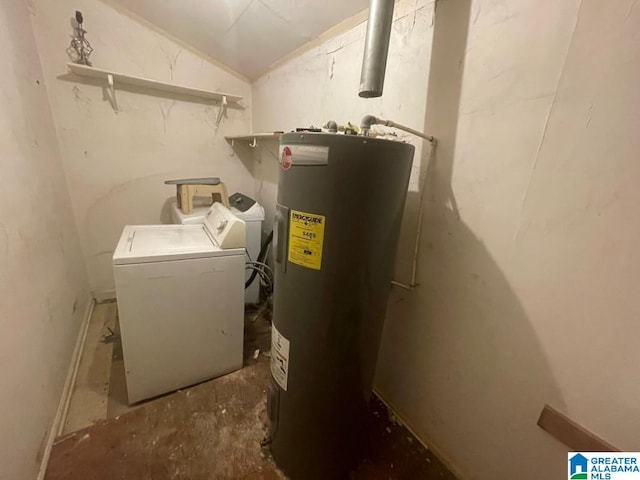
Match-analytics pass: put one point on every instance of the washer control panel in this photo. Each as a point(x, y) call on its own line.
point(226, 229)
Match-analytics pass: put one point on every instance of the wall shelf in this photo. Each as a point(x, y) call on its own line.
point(252, 139)
point(111, 78)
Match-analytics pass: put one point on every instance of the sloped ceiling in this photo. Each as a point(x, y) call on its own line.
point(246, 35)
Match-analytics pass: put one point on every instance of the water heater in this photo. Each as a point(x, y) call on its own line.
point(340, 204)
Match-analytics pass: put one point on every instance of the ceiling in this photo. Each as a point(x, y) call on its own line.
point(246, 35)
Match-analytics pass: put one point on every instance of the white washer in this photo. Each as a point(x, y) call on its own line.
point(194, 218)
point(180, 302)
point(252, 217)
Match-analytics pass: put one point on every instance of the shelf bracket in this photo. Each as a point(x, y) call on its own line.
point(112, 92)
point(223, 108)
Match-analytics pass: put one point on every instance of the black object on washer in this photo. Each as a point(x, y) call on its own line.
point(241, 201)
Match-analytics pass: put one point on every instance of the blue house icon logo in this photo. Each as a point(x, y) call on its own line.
point(578, 467)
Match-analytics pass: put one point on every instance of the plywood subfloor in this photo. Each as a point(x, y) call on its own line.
point(213, 431)
point(209, 431)
point(91, 389)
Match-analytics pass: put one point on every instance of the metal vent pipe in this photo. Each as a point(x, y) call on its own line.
point(376, 48)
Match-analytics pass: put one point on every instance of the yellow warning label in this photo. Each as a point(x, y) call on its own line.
point(306, 235)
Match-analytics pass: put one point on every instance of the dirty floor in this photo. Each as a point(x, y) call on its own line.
point(209, 431)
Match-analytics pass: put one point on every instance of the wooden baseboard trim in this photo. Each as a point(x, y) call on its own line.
point(104, 296)
point(65, 398)
point(425, 442)
point(574, 436)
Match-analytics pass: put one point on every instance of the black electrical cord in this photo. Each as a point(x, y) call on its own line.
point(261, 258)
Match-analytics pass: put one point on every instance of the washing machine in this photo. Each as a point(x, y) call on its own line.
point(246, 209)
point(180, 291)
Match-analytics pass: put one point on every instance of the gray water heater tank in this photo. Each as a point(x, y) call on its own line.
point(340, 204)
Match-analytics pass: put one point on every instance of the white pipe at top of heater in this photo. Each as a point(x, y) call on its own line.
point(416, 246)
point(365, 126)
point(369, 120)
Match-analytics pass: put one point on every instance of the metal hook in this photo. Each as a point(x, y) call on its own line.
point(255, 143)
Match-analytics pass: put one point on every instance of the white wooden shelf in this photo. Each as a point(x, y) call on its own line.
point(86, 71)
point(112, 78)
point(252, 138)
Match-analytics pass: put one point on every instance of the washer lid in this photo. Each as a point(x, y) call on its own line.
point(157, 243)
point(255, 213)
point(194, 218)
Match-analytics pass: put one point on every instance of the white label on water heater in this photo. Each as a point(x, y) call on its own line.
point(304, 154)
point(279, 358)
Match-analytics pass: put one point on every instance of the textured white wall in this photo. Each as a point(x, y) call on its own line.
point(43, 293)
point(116, 162)
point(528, 262)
